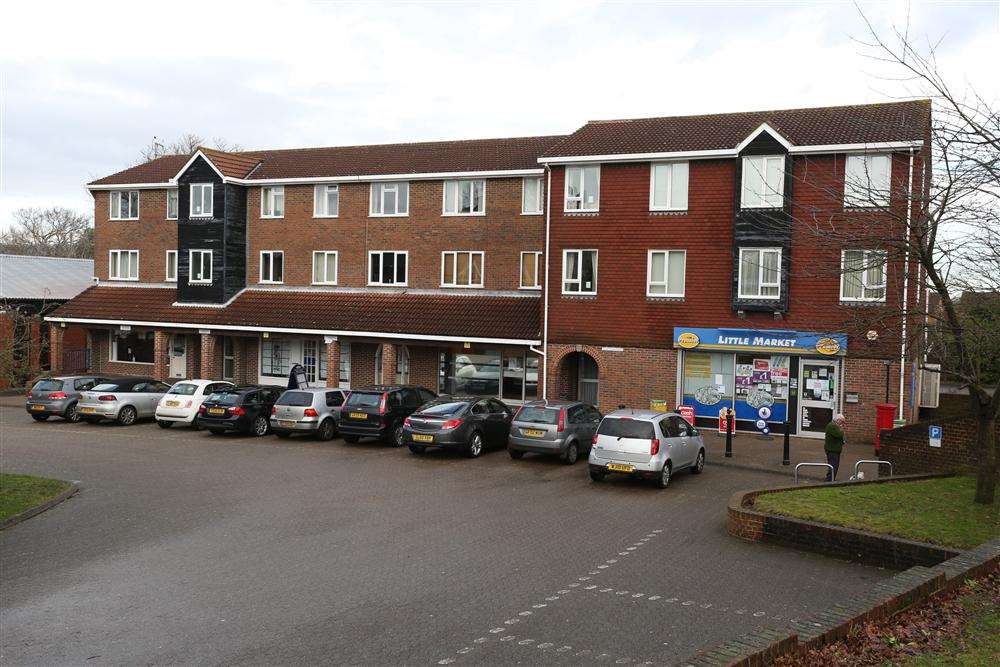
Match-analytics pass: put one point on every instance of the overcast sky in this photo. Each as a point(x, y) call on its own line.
point(85, 85)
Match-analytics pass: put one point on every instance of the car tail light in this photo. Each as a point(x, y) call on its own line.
point(201, 409)
point(450, 424)
point(381, 404)
point(107, 397)
point(407, 422)
point(28, 394)
point(238, 411)
point(654, 447)
point(562, 420)
point(309, 412)
point(58, 394)
point(593, 440)
point(274, 410)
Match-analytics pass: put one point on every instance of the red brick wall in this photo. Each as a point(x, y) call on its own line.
point(152, 235)
point(910, 452)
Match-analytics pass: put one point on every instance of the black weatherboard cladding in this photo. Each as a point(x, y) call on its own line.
point(763, 228)
point(224, 234)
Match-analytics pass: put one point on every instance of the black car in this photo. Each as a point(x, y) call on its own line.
point(244, 409)
point(378, 412)
point(464, 423)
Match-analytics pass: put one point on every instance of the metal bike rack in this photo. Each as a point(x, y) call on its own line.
point(881, 463)
point(816, 465)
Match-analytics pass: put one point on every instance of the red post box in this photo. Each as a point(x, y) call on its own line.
point(885, 413)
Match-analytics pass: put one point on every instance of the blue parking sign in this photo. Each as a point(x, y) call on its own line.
point(934, 434)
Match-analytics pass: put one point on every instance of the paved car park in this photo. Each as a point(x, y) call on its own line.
point(185, 547)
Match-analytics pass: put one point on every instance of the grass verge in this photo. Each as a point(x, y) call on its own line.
point(22, 492)
point(939, 511)
point(979, 642)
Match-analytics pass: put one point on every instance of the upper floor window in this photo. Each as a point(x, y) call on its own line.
point(387, 267)
point(461, 269)
point(123, 265)
point(866, 180)
point(579, 272)
point(324, 267)
point(531, 195)
point(763, 181)
point(272, 201)
point(862, 275)
point(665, 273)
point(326, 201)
point(529, 270)
point(390, 198)
point(201, 200)
point(465, 197)
point(583, 188)
point(124, 204)
point(170, 275)
point(760, 273)
point(668, 189)
point(200, 263)
point(272, 266)
point(172, 204)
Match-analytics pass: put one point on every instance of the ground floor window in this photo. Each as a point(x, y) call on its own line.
point(275, 357)
point(228, 358)
point(345, 365)
point(402, 365)
point(511, 375)
point(132, 346)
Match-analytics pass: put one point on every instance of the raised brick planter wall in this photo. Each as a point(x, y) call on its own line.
point(908, 448)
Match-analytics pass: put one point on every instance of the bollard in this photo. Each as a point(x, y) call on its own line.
point(786, 455)
point(729, 433)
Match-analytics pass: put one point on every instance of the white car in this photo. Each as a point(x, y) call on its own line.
point(181, 403)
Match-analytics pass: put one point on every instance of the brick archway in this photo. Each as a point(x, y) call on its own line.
point(577, 375)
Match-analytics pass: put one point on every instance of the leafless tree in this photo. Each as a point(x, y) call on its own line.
point(183, 145)
point(52, 232)
point(21, 352)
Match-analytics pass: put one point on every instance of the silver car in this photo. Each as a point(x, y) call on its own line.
point(58, 396)
point(561, 428)
point(646, 444)
point(123, 400)
point(314, 410)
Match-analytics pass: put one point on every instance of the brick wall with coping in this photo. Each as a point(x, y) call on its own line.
point(908, 447)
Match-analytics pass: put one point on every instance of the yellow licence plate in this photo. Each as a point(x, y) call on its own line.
point(173, 404)
point(216, 411)
point(422, 438)
point(533, 432)
point(37, 408)
point(620, 467)
point(88, 410)
point(358, 415)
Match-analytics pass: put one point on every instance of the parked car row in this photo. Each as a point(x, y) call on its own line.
point(640, 443)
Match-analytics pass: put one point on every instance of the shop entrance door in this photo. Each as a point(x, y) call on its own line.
point(818, 392)
point(178, 356)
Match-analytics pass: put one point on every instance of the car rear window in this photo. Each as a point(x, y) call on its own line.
point(626, 428)
point(47, 385)
point(225, 398)
point(184, 388)
point(538, 415)
point(449, 408)
point(108, 386)
point(296, 398)
point(363, 399)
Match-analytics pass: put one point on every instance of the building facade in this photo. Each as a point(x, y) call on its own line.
point(677, 259)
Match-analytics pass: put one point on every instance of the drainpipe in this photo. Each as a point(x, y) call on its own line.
point(906, 289)
point(545, 284)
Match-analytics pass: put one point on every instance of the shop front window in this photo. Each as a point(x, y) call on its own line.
point(762, 387)
point(708, 382)
point(275, 357)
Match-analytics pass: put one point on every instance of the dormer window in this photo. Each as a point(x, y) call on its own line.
point(201, 200)
point(763, 181)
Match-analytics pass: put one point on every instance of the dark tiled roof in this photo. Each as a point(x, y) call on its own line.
point(160, 170)
point(868, 123)
point(459, 315)
point(232, 165)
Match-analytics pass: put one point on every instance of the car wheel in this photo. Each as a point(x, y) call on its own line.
point(515, 454)
point(418, 449)
point(162, 423)
point(663, 480)
point(260, 426)
point(39, 418)
point(351, 439)
point(327, 429)
point(699, 463)
point(475, 445)
point(571, 454)
point(597, 475)
point(127, 415)
point(397, 436)
point(72, 415)
point(216, 431)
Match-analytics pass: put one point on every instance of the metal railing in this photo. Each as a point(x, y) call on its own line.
point(880, 463)
point(817, 465)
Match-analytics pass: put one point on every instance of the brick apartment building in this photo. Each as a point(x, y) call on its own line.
point(631, 260)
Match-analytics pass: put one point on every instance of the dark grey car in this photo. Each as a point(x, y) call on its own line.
point(562, 428)
point(58, 396)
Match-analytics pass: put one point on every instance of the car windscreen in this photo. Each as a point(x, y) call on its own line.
point(47, 385)
point(184, 389)
point(364, 399)
point(534, 415)
point(626, 428)
point(108, 386)
point(224, 398)
point(448, 408)
point(299, 399)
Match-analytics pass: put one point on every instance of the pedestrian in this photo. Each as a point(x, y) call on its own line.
point(833, 443)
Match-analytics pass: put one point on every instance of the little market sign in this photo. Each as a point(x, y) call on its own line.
point(801, 342)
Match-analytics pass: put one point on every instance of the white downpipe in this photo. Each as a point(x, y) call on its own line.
point(906, 290)
point(545, 286)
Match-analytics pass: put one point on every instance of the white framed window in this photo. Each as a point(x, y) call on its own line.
point(326, 200)
point(579, 272)
point(387, 267)
point(530, 278)
point(170, 275)
point(123, 265)
point(867, 181)
point(763, 181)
point(272, 201)
point(172, 204)
point(760, 273)
point(466, 197)
point(531, 195)
point(668, 186)
point(461, 268)
point(200, 266)
point(324, 267)
point(392, 198)
point(202, 199)
point(134, 347)
point(124, 204)
point(583, 188)
point(862, 275)
point(665, 273)
point(272, 266)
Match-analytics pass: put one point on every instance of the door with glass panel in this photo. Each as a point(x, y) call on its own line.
point(228, 359)
point(818, 392)
point(178, 356)
point(587, 379)
point(309, 360)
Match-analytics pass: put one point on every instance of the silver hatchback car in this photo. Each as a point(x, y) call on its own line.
point(58, 396)
point(123, 400)
point(646, 444)
point(562, 428)
point(314, 410)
